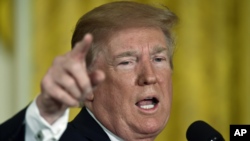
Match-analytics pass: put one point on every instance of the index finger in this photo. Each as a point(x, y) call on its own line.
point(81, 48)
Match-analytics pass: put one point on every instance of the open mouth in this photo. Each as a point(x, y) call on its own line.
point(148, 103)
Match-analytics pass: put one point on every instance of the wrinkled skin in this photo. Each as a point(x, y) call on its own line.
point(136, 67)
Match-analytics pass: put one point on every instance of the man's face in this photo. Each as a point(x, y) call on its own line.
point(135, 98)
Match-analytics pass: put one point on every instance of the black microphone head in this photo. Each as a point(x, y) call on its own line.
point(201, 131)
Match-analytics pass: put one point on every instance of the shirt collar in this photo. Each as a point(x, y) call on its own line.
point(111, 136)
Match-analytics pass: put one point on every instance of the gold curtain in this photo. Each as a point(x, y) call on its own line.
point(6, 23)
point(212, 59)
point(212, 63)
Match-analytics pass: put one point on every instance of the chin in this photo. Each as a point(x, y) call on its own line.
point(152, 127)
point(149, 133)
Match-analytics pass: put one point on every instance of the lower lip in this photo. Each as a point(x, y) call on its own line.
point(148, 111)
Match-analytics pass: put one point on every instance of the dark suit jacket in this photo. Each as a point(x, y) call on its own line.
point(82, 128)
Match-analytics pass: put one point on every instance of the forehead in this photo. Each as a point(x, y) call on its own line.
point(137, 39)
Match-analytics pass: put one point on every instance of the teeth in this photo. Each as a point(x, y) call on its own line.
point(147, 106)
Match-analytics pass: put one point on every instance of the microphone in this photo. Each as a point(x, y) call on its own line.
point(201, 131)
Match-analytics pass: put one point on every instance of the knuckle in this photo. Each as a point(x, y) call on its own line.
point(67, 100)
point(76, 66)
point(84, 85)
point(86, 91)
point(72, 103)
point(68, 82)
point(56, 94)
point(85, 82)
point(46, 82)
point(57, 60)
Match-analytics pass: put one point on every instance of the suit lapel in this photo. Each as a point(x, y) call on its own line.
point(87, 126)
point(14, 128)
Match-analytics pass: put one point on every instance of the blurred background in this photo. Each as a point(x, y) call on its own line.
point(211, 64)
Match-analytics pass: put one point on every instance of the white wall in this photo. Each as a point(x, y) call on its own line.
point(6, 84)
point(15, 66)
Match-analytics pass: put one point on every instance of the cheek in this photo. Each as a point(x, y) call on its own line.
point(121, 91)
point(165, 81)
point(122, 81)
point(113, 91)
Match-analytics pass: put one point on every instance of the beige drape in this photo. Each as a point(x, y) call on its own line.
point(211, 64)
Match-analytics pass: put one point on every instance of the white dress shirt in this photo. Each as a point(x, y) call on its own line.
point(38, 129)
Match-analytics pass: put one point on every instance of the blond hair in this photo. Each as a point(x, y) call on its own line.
point(109, 18)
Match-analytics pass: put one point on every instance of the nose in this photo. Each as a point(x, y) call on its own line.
point(147, 75)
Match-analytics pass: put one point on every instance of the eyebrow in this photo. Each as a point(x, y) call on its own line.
point(126, 54)
point(159, 49)
point(156, 50)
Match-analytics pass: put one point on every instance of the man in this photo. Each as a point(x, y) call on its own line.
point(120, 71)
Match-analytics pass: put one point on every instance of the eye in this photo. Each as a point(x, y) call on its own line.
point(124, 63)
point(158, 59)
